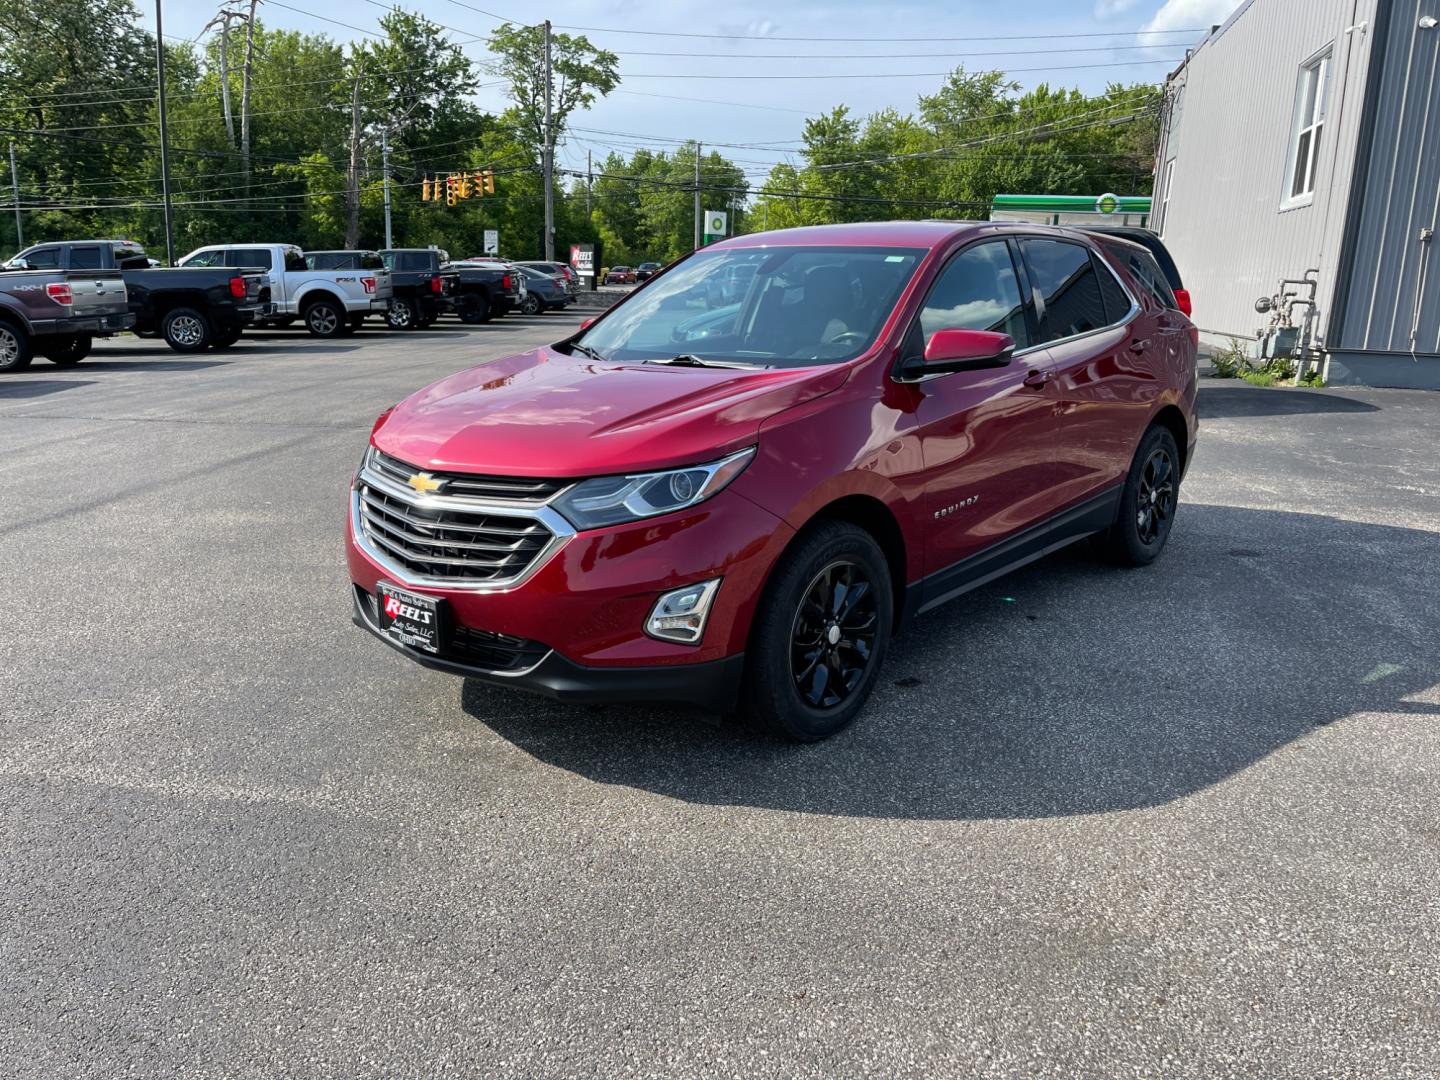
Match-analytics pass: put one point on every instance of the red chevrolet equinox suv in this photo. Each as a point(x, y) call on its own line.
point(736, 485)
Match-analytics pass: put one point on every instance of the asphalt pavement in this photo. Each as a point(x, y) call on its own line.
point(1174, 822)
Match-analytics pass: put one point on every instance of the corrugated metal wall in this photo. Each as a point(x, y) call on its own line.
point(1230, 138)
point(1402, 196)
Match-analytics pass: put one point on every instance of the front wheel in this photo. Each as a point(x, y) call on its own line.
point(186, 330)
point(401, 315)
point(475, 312)
point(1147, 503)
point(819, 635)
point(324, 319)
point(15, 348)
point(68, 350)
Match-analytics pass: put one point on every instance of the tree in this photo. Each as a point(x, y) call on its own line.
point(580, 72)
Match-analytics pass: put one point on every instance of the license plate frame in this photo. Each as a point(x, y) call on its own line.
point(411, 618)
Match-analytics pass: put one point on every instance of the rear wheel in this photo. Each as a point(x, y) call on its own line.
point(67, 350)
point(15, 348)
point(475, 312)
point(356, 322)
point(324, 319)
point(531, 305)
point(1147, 503)
point(819, 635)
point(186, 330)
point(401, 314)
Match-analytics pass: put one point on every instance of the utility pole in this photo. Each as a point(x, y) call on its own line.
point(589, 179)
point(245, 94)
point(385, 163)
point(164, 139)
point(352, 177)
point(549, 168)
point(698, 236)
point(15, 186)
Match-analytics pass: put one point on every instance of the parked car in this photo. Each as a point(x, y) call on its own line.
point(645, 271)
point(898, 413)
point(330, 302)
point(192, 308)
point(620, 275)
point(561, 272)
point(421, 286)
point(1161, 254)
point(58, 313)
point(543, 292)
point(487, 289)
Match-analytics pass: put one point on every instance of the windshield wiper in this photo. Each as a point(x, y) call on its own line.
point(586, 350)
point(691, 360)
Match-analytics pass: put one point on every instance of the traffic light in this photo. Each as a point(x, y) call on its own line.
point(489, 185)
point(425, 189)
point(464, 186)
point(450, 190)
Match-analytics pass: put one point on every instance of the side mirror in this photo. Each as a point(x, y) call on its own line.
point(959, 350)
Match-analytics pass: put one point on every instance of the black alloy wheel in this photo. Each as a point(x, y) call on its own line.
point(819, 633)
point(833, 639)
point(1155, 501)
point(400, 315)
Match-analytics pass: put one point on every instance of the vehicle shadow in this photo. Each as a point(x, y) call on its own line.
point(35, 388)
point(1234, 400)
point(122, 362)
point(1069, 687)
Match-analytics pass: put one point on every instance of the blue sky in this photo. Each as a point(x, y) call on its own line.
point(864, 72)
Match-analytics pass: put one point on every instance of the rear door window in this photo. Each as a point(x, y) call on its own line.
point(250, 257)
point(86, 257)
point(1065, 283)
point(1117, 300)
point(294, 259)
point(977, 290)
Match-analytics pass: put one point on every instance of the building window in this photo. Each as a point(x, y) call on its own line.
point(1167, 181)
point(1311, 92)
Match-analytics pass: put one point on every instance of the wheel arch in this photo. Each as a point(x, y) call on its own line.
point(876, 518)
point(315, 294)
point(1173, 420)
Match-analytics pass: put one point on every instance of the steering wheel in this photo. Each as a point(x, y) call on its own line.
point(849, 337)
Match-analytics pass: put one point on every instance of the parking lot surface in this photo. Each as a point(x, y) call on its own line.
point(1181, 821)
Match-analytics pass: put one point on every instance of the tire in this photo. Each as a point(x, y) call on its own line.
point(803, 693)
point(67, 350)
point(476, 312)
point(499, 310)
point(531, 305)
point(16, 352)
point(1147, 503)
point(324, 319)
point(186, 330)
point(401, 314)
point(224, 337)
point(143, 333)
point(356, 323)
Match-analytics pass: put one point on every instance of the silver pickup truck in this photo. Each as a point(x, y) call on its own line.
point(58, 313)
point(330, 302)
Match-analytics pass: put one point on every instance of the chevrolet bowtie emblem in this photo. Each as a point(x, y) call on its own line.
point(424, 483)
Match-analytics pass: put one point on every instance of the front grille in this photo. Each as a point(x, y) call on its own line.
point(498, 652)
point(450, 544)
point(520, 489)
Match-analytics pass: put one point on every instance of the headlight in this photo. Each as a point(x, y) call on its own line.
point(614, 500)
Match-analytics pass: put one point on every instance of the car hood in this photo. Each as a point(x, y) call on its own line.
point(544, 413)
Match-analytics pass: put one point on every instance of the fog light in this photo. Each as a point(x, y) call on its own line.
point(680, 615)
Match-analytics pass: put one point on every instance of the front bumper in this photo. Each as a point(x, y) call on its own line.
point(713, 686)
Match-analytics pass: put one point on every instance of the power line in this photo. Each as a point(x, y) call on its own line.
point(876, 40)
point(900, 74)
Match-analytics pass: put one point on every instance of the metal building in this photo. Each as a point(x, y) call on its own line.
point(1301, 139)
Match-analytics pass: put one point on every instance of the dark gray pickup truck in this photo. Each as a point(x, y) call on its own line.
point(57, 314)
point(192, 308)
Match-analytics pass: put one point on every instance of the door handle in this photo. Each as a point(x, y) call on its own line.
point(1036, 378)
point(1139, 345)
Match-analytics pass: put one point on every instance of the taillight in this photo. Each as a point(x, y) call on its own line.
point(505, 283)
point(1182, 301)
point(60, 292)
point(237, 287)
point(435, 284)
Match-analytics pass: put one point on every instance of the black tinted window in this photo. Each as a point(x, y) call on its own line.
point(1117, 300)
point(1145, 270)
point(86, 258)
point(414, 261)
point(369, 260)
point(258, 257)
point(977, 290)
point(294, 259)
point(44, 259)
point(1064, 279)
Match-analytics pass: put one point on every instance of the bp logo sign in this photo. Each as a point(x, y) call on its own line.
point(715, 221)
point(1107, 204)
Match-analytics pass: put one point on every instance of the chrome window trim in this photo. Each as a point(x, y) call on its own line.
point(561, 532)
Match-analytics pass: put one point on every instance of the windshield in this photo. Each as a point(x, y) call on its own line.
point(771, 307)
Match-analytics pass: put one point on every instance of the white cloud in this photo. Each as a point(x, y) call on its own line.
point(1190, 14)
point(1109, 9)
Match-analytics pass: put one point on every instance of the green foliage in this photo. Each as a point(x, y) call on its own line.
point(644, 208)
point(580, 72)
point(1313, 378)
point(1229, 361)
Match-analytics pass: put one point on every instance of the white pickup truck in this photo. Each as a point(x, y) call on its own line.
point(331, 302)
